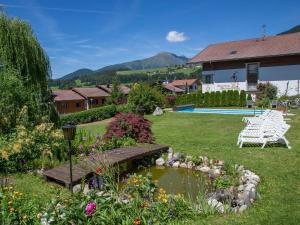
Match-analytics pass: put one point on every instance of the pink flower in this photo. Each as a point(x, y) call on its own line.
point(90, 208)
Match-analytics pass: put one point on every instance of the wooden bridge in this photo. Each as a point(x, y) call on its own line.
point(80, 170)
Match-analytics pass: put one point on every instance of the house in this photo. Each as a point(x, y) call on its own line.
point(241, 65)
point(94, 96)
point(67, 101)
point(188, 85)
point(124, 89)
point(170, 89)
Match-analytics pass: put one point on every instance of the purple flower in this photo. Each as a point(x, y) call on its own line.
point(90, 208)
point(80, 147)
point(97, 136)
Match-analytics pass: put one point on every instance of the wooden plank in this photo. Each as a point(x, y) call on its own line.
point(115, 156)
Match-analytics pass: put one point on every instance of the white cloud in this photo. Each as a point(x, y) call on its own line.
point(174, 36)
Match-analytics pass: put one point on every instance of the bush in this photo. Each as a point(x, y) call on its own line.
point(218, 99)
point(90, 115)
point(171, 100)
point(143, 98)
point(27, 149)
point(224, 101)
point(242, 101)
point(266, 90)
point(236, 98)
point(132, 126)
point(212, 99)
point(206, 99)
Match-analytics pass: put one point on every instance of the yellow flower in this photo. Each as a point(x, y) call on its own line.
point(10, 202)
point(17, 147)
point(24, 217)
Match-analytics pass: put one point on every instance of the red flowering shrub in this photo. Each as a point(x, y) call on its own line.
point(130, 125)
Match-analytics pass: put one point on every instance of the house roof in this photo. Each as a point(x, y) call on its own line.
point(183, 82)
point(66, 95)
point(280, 45)
point(108, 88)
point(172, 88)
point(91, 92)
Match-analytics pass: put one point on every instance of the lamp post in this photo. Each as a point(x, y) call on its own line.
point(69, 135)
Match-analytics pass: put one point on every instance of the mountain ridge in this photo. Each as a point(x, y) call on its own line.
point(162, 59)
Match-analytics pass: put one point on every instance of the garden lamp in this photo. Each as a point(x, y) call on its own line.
point(69, 135)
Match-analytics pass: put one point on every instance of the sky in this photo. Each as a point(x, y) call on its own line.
point(95, 33)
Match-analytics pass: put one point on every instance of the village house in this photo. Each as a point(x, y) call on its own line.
point(188, 85)
point(94, 96)
point(241, 65)
point(170, 89)
point(68, 101)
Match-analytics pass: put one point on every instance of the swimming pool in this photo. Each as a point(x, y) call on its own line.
point(223, 111)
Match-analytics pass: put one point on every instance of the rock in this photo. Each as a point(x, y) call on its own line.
point(170, 150)
point(158, 112)
point(170, 156)
point(223, 195)
point(244, 199)
point(243, 208)
point(240, 168)
point(214, 173)
point(190, 165)
point(241, 188)
point(160, 161)
point(176, 164)
point(183, 165)
point(77, 188)
point(205, 160)
point(189, 158)
point(219, 163)
point(86, 189)
point(252, 193)
point(216, 205)
point(204, 169)
point(176, 156)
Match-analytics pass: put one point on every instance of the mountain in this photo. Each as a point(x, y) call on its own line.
point(77, 74)
point(292, 30)
point(163, 59)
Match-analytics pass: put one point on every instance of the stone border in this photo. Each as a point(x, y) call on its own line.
point(241, 197)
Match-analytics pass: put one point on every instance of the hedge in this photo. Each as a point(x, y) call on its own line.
point(214, 99)
point(95, 114)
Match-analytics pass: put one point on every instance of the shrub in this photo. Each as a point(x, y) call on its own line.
point(90, 115)
point(212, 99)
point(206, 99)
point(242, 99)
point(130, 125)
point(266, 90)
point(224, 98)
point(171, 100)
point(236, 98)
point(21, 150)
point(218, 99)
point(143, 98)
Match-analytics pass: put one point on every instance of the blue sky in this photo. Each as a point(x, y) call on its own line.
point(95, 33)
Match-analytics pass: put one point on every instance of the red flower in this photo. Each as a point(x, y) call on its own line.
point(137, 221)
point(99, 170)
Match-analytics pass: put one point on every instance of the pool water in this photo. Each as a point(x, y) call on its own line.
point(176, 180)
point(224, 111)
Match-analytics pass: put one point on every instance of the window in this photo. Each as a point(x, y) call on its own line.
point(208, 79)
point(103, 101)
point(64, 105)
point(77, 104)
point(94, 101)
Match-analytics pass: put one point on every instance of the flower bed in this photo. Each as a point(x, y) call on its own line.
point(235, 188)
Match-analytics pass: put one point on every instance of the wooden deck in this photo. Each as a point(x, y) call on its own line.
point(80, 170)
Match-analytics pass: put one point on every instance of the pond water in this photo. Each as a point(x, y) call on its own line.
point(176, 180)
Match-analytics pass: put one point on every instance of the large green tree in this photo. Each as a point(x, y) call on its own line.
point(21, 52)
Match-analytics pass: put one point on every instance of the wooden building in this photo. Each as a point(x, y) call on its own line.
point(68, 101)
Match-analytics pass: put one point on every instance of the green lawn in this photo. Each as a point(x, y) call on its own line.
point(215, 136)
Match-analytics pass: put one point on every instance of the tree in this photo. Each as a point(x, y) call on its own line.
point(206, 99)
point(224, 98)
point(116, 96)
point(143, 98)
point(21, 52)
point(218, 99)
point(236, 98)
point(242, 101)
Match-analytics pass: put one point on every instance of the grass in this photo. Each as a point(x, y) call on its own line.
point(215, 136)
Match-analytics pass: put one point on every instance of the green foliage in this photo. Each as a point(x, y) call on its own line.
point(224, 100)
point(116, 96)
point(27, 149)
point(218, 99)
point(249, 97)
point(23, 58)
point(242, 100)
point(236, 98)
point(143, 98)
point(206, 99)
point(95, 114)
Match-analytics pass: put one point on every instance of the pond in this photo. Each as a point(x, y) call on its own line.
point(176, 180)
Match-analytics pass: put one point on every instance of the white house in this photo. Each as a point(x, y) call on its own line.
point(241, 65)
